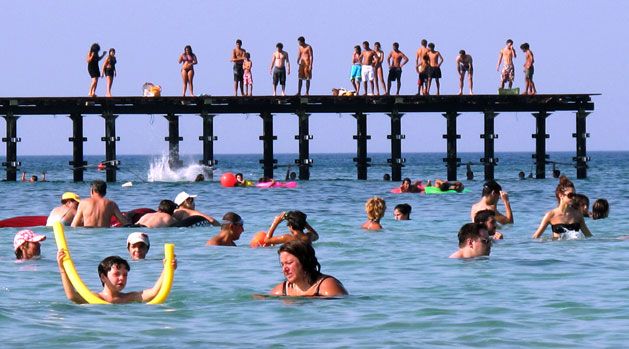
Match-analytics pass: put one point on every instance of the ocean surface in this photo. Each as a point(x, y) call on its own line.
point(404, 291)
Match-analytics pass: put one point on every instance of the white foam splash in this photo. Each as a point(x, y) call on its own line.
point(160, 171)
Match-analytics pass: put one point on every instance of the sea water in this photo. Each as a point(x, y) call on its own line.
point(404, 291)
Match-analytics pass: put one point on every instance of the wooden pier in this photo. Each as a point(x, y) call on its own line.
point(209, 107)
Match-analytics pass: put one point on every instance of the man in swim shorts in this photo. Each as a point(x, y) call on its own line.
point(305, 59)
point(506, 56)
point(66, 212)
point(231, 229)
point(368, 59)
point(492, 192)
point(434, 73)
point(528, 69)
point(396, 60)
point(355, 72)
point(96, 211)
point(238, 57)
point(112, 272)
point(464, 65)
point(138, 245)
point(474, 241)
point(280, 67)
point(186, 208)
point(162, 218)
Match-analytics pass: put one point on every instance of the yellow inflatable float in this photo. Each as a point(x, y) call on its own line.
point(89, 296)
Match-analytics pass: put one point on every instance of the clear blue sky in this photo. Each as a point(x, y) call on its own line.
point(579, 46)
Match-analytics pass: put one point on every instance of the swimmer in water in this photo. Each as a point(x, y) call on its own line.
point(375, 208)
point(408, 187)
point(488, 219)
point(231, 229)
point(474, 241)
point(303, 276)
point(600, 209)
point(138, 245)
point(296, 223)
point(402, 212)
point(112, 272)
point(66, 212)
point(564, 218)
point(492, 192)
point(27, 244)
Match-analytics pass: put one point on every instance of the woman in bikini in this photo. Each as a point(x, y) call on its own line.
point(375, 208)
point(187, 70)
point(296, 223)
point(378, 76)
point(109, 70)
point(92, 67)
point(302, 271)
point(565, 220)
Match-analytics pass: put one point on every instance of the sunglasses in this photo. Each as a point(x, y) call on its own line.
point(485, 241)
point(570, 195)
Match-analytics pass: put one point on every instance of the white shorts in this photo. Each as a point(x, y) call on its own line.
point(367, 73)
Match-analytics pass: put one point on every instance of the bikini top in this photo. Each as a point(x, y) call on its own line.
point(563, 227)
point(316, 294)
point(187, 58)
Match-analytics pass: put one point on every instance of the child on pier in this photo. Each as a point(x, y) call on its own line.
point(247, 77)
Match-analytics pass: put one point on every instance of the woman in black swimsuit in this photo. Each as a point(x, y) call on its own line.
point(109, 69)
point(92, 67)
point(302, 272)
point(564, 217)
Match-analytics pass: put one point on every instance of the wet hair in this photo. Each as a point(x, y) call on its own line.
point(305, 253)
point(509, 41)
point(377, 43)
point(406, 180)
point(239, 42)
point(366, 43)
point(230, 218)
point(404, 209)
point(248, 55)
point(424, 42)
point(296, 220)
point(483, 215)
point(521, 175)
point(491, 187)
point(34, 178)
point(301, 39)
point(106, 264)
point(386, 177)
point(240, 174)
point(396, 45)
point(279, 45)
point(200, 178)
point(292, 175)
point(188, 47)
point(525, 46)
point(445, 186)
point(462, 52)
point(167, 206)
point(357, 48)
point(99, 187)
point(581, 200)
point(112, 50)
point(600, 209)
point(375, 207)
point(95, 48)
point(431, 46)
point(564, 183)
point(469, 231)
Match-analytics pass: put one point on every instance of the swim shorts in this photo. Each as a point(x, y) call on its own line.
point(238, 72)
point(395, 73)
point(355, 72)
point(279, 75)
point(304, 74)
point(507, 73)
point(434, 72)
point(366, 73)
point(109, 72)
point(528, 73)
point(247, 78)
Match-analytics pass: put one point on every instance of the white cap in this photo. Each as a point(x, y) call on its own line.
point(183, 196)
point(138, 237)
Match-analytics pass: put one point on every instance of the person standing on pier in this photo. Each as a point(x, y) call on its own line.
point(528, 69)
point(280, 67)
point(434, 72)
point(238, 57)
point(355, 73)
point(419, 58)
point(463, 65)
point(368, 59)
point(396, 60)
point(109, 70)
point(247, 77)
point(379, 75)
point(305, 59)
point(188, 59)
point(506, 56)
point(92, 67)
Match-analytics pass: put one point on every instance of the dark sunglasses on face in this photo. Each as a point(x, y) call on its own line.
point(570, 195)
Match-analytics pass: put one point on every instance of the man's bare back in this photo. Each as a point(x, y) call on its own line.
point(156, 220)
point(433, 58)
point(421, 52)
point(97, 212)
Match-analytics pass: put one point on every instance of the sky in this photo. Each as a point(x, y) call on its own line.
point(579, 46)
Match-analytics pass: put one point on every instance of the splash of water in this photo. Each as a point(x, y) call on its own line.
point(160, 171)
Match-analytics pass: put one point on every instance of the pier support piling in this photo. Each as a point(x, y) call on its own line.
point(268, 162)
point(489, 161)
point(208, 139)
point(540, 136)
point(304, 162)
point(78, 163)
point(451, 160)
point(396, 137)
point(173, 140)
point(12, 165)
point(581, 138)
point(110, 139)
point(361, 137)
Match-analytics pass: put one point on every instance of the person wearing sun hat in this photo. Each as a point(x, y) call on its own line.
point(138, 245)
point(26, 244)
point(186, 208)
point(66, 212)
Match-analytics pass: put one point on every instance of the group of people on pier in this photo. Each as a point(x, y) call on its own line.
point(366, 68)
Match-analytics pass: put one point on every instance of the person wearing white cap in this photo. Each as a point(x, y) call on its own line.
point(186, 208)
point(138, 245)
point(66, 212)
point(26, 244)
